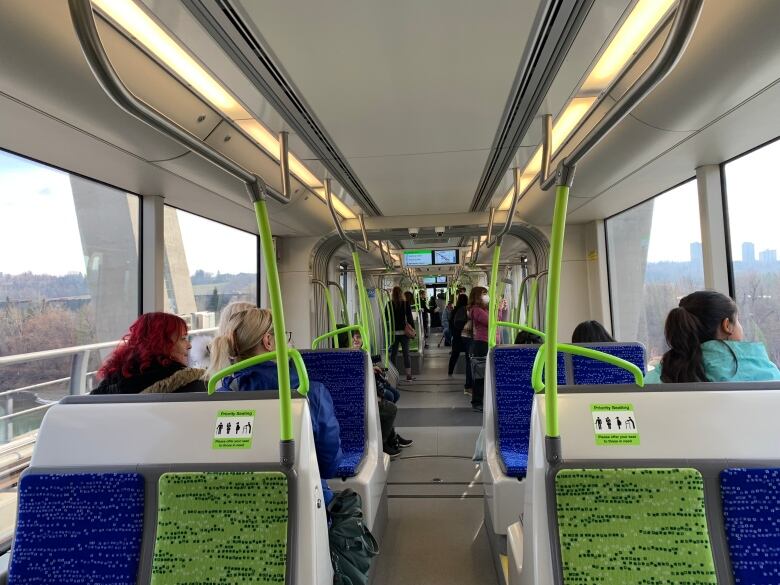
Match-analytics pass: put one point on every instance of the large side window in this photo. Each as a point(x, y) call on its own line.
point(655, 258)
point(207, 265)
point(68, 277)
point(753, 211)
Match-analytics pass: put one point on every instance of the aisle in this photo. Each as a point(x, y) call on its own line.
point(434, 534)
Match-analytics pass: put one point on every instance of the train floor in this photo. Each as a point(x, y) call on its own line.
point(435, 533)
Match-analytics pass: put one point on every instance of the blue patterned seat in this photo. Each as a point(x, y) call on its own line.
point(343, 373)
point(751, 513)
point(78, 528)
point(589, 371)
point(513, 401)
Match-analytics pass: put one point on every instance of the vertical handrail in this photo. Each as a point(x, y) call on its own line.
point(362, 299)
point(344, 311)
point(331, 312)
point(493, 306)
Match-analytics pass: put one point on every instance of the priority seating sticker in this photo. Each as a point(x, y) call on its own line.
point(614, 424)
point(233, 429)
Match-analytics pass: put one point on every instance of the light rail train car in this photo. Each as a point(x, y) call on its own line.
point(420, 292)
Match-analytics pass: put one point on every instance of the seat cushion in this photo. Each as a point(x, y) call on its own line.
point(633, 526)
point(78, 528)
point(589, 371)
point(514, 399)
point(343, 373)
point(221, 527)
point(751, 513)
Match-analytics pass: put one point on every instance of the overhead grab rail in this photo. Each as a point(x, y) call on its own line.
point(342, 234)
point(83, 19)
point(682, 27)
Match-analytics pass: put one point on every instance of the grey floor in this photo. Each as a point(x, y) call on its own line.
point(435, 533)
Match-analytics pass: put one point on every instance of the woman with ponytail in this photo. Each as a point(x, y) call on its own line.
point(706, 344)
point(248, 332)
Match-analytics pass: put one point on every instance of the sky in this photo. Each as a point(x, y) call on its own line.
point(39, 231)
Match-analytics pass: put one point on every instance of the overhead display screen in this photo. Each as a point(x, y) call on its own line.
point(418, 258)
point(441, 280)
point(429, 279)
point(445, 257)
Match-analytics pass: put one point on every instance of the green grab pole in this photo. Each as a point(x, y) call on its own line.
point(372, 321)
point(639, 377)
point(361, 299)
point(317, 340)
point(392, 315)
point(553, 298)
point(519, 327)
point(332, 314)
point(493, 308)
point(295, 355)
point(277, 314)
point(529, 315)
point(388, 325)
point(344, 311)
point(538, 369)
point(520, 303)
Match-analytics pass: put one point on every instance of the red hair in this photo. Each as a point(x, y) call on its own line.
point(148, 343)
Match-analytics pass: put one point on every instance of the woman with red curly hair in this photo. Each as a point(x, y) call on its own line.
point(151, 358)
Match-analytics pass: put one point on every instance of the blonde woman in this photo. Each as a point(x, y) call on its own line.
point(249, 332)
point(200, 354)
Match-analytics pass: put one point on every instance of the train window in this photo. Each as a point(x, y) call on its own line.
point(207, 265)
point(654, 258)
point(753, 213)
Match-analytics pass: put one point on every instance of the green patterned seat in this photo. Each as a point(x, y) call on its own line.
point(626, 526)
point(221, 528)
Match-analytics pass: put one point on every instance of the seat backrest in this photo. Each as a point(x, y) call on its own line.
point(751, 514)
point(78, 528)
point(344, 374)
point(589, 371)
point(513, 401)
point(648, 523)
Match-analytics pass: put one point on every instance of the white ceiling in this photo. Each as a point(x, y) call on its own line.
point(411, 92)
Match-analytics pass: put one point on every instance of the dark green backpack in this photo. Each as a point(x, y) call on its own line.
point(351, 543)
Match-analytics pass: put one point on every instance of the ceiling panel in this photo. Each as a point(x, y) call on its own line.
point(411, 92)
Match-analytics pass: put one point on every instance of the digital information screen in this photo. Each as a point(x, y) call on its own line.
point(429, 279)
point(445, 256)
point(441, 280)
point(418, 258)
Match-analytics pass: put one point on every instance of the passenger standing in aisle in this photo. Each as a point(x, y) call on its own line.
point(404, 326)
point(424, 314)
point(479, 316)
point(457, 321)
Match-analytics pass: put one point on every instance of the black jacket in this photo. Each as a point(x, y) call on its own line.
point(402, 314)
point(155, 380)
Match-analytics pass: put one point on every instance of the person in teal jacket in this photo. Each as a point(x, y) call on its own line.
point(706, 344)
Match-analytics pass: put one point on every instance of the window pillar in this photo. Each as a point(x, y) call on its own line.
point(713, 229)
point(152, 253)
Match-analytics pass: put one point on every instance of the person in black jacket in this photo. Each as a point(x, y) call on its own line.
point(458, 318)
point(402, 316)
point(151, 358)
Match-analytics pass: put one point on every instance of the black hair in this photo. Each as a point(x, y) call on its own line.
point(463, 301)
point(696, 321)
point(591, 332)
point(525, 337)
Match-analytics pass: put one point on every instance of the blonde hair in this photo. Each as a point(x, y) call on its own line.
point(230, 310)
point(239, 337)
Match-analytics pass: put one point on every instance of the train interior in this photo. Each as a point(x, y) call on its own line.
point(359, 147)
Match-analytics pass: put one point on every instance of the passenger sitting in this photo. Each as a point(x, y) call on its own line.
point(151, 358)
point(200, 354)
point(705, 344)
point(392, 442)
point(591, 332)
point(248, 333)
point(526, 338)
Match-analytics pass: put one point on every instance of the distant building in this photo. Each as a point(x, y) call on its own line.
point(768, 257)
point(696, 254)
point(748, 252)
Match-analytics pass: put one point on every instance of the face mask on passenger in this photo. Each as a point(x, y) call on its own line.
point(486, 299)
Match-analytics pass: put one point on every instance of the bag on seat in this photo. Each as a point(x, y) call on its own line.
point(351, 543)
